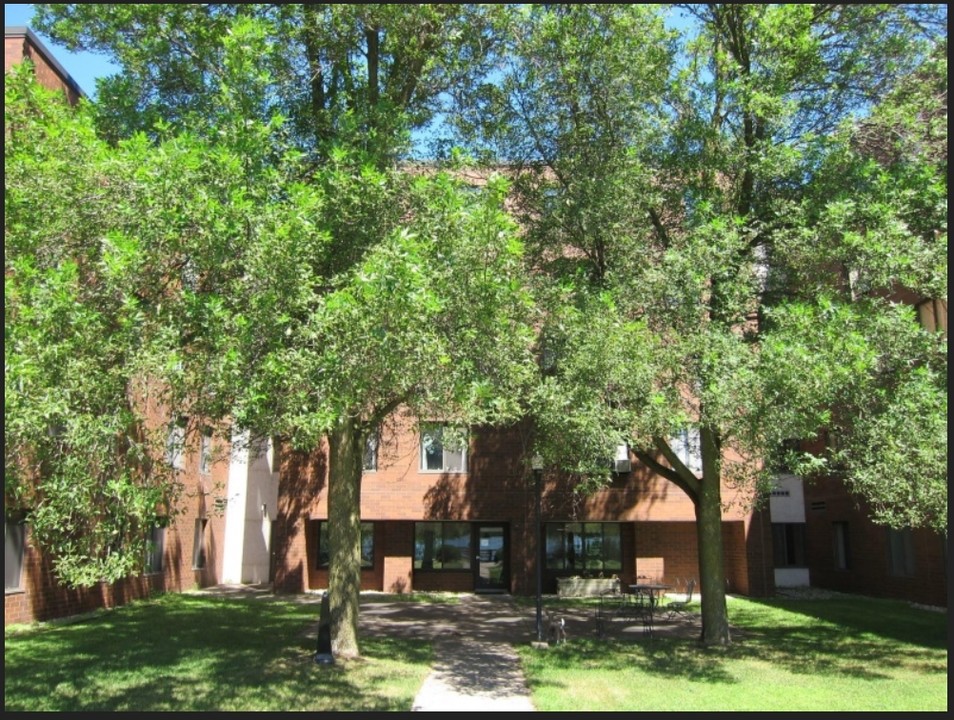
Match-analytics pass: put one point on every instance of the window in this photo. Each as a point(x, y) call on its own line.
point(155, 550)
point(14, 535)
point(840, 540)
point(367, 545)
point(175, 445)
point(688, 448)
point(198, 546)
point(205, 452)
point(371, 452)
point(275, 455)
point(788, 544)
point(443, 448)
point(584, 547)
point(900, 552)
point(442, 546)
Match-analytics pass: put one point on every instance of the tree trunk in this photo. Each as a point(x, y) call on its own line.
point(344, 535)
point(715, 618)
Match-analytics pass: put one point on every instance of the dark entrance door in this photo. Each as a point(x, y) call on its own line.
point(492, 562)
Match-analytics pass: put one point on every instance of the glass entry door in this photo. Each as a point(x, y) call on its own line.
point(492, 563)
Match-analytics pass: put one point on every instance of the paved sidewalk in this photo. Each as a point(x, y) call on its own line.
point(476, 667)
point(474, 675)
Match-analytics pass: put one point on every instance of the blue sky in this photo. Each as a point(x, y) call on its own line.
point(84, 67)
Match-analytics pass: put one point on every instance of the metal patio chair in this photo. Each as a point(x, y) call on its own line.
point(680, 608)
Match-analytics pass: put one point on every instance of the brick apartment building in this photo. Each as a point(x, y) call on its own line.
point(465, 520)
point(441, 517)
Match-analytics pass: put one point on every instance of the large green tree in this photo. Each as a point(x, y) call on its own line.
point(677, 191)
point(118, 264)
point(351, 286)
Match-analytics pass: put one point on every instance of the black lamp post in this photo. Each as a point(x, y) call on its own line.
point(536, 462)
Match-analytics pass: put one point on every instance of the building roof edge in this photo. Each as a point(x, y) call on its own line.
point(23, 31)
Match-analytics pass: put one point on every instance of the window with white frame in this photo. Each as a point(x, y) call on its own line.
point(14, 537)
point(687, 445)
point(175, 444)
point(443, 449)
point(155, 550)
point(205, 451)
point(198, 544)
point(371, 443)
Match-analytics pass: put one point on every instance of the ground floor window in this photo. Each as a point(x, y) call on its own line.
point(900, 552)
point(14, 536)
point(198, 544)
point(442, 546)
point(840, 540)
point(788, 544)
point(584, 547)
point(367, 545)
point(155, 550)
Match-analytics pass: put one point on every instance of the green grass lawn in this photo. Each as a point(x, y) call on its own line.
point(196, 652)
point(821, 655)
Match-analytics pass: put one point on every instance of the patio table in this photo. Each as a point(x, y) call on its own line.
point(654, 592)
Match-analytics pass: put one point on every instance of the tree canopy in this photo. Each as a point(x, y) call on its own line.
point(305, 284)
point(719, 221)
point(700, 209)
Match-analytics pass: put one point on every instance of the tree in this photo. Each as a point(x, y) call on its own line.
point(353, 286)
point(657, 184)
point(879, 201)
point(75, 445)
point(115, 259)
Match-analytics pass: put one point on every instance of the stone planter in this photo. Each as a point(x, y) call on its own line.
point(580, 587)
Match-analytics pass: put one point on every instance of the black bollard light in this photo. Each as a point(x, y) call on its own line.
point(323, 655)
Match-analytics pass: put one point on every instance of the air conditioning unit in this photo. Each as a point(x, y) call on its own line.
point(622, 463)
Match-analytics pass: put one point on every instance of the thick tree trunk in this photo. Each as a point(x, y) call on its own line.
point(344, 535)
point(715, 618)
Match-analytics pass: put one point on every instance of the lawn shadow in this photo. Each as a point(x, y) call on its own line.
point(191, 652)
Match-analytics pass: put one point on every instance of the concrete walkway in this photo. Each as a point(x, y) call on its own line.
point(475, 665)
point(474, 675)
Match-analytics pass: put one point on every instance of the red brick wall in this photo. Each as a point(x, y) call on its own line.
point(42, 597)
point(18, 47)
point(658, 533)
point(827, 502)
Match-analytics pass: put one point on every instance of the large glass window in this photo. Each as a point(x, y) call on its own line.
point(443, 448)
point(584, 547)
point(367, 545)
point(442, 546)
